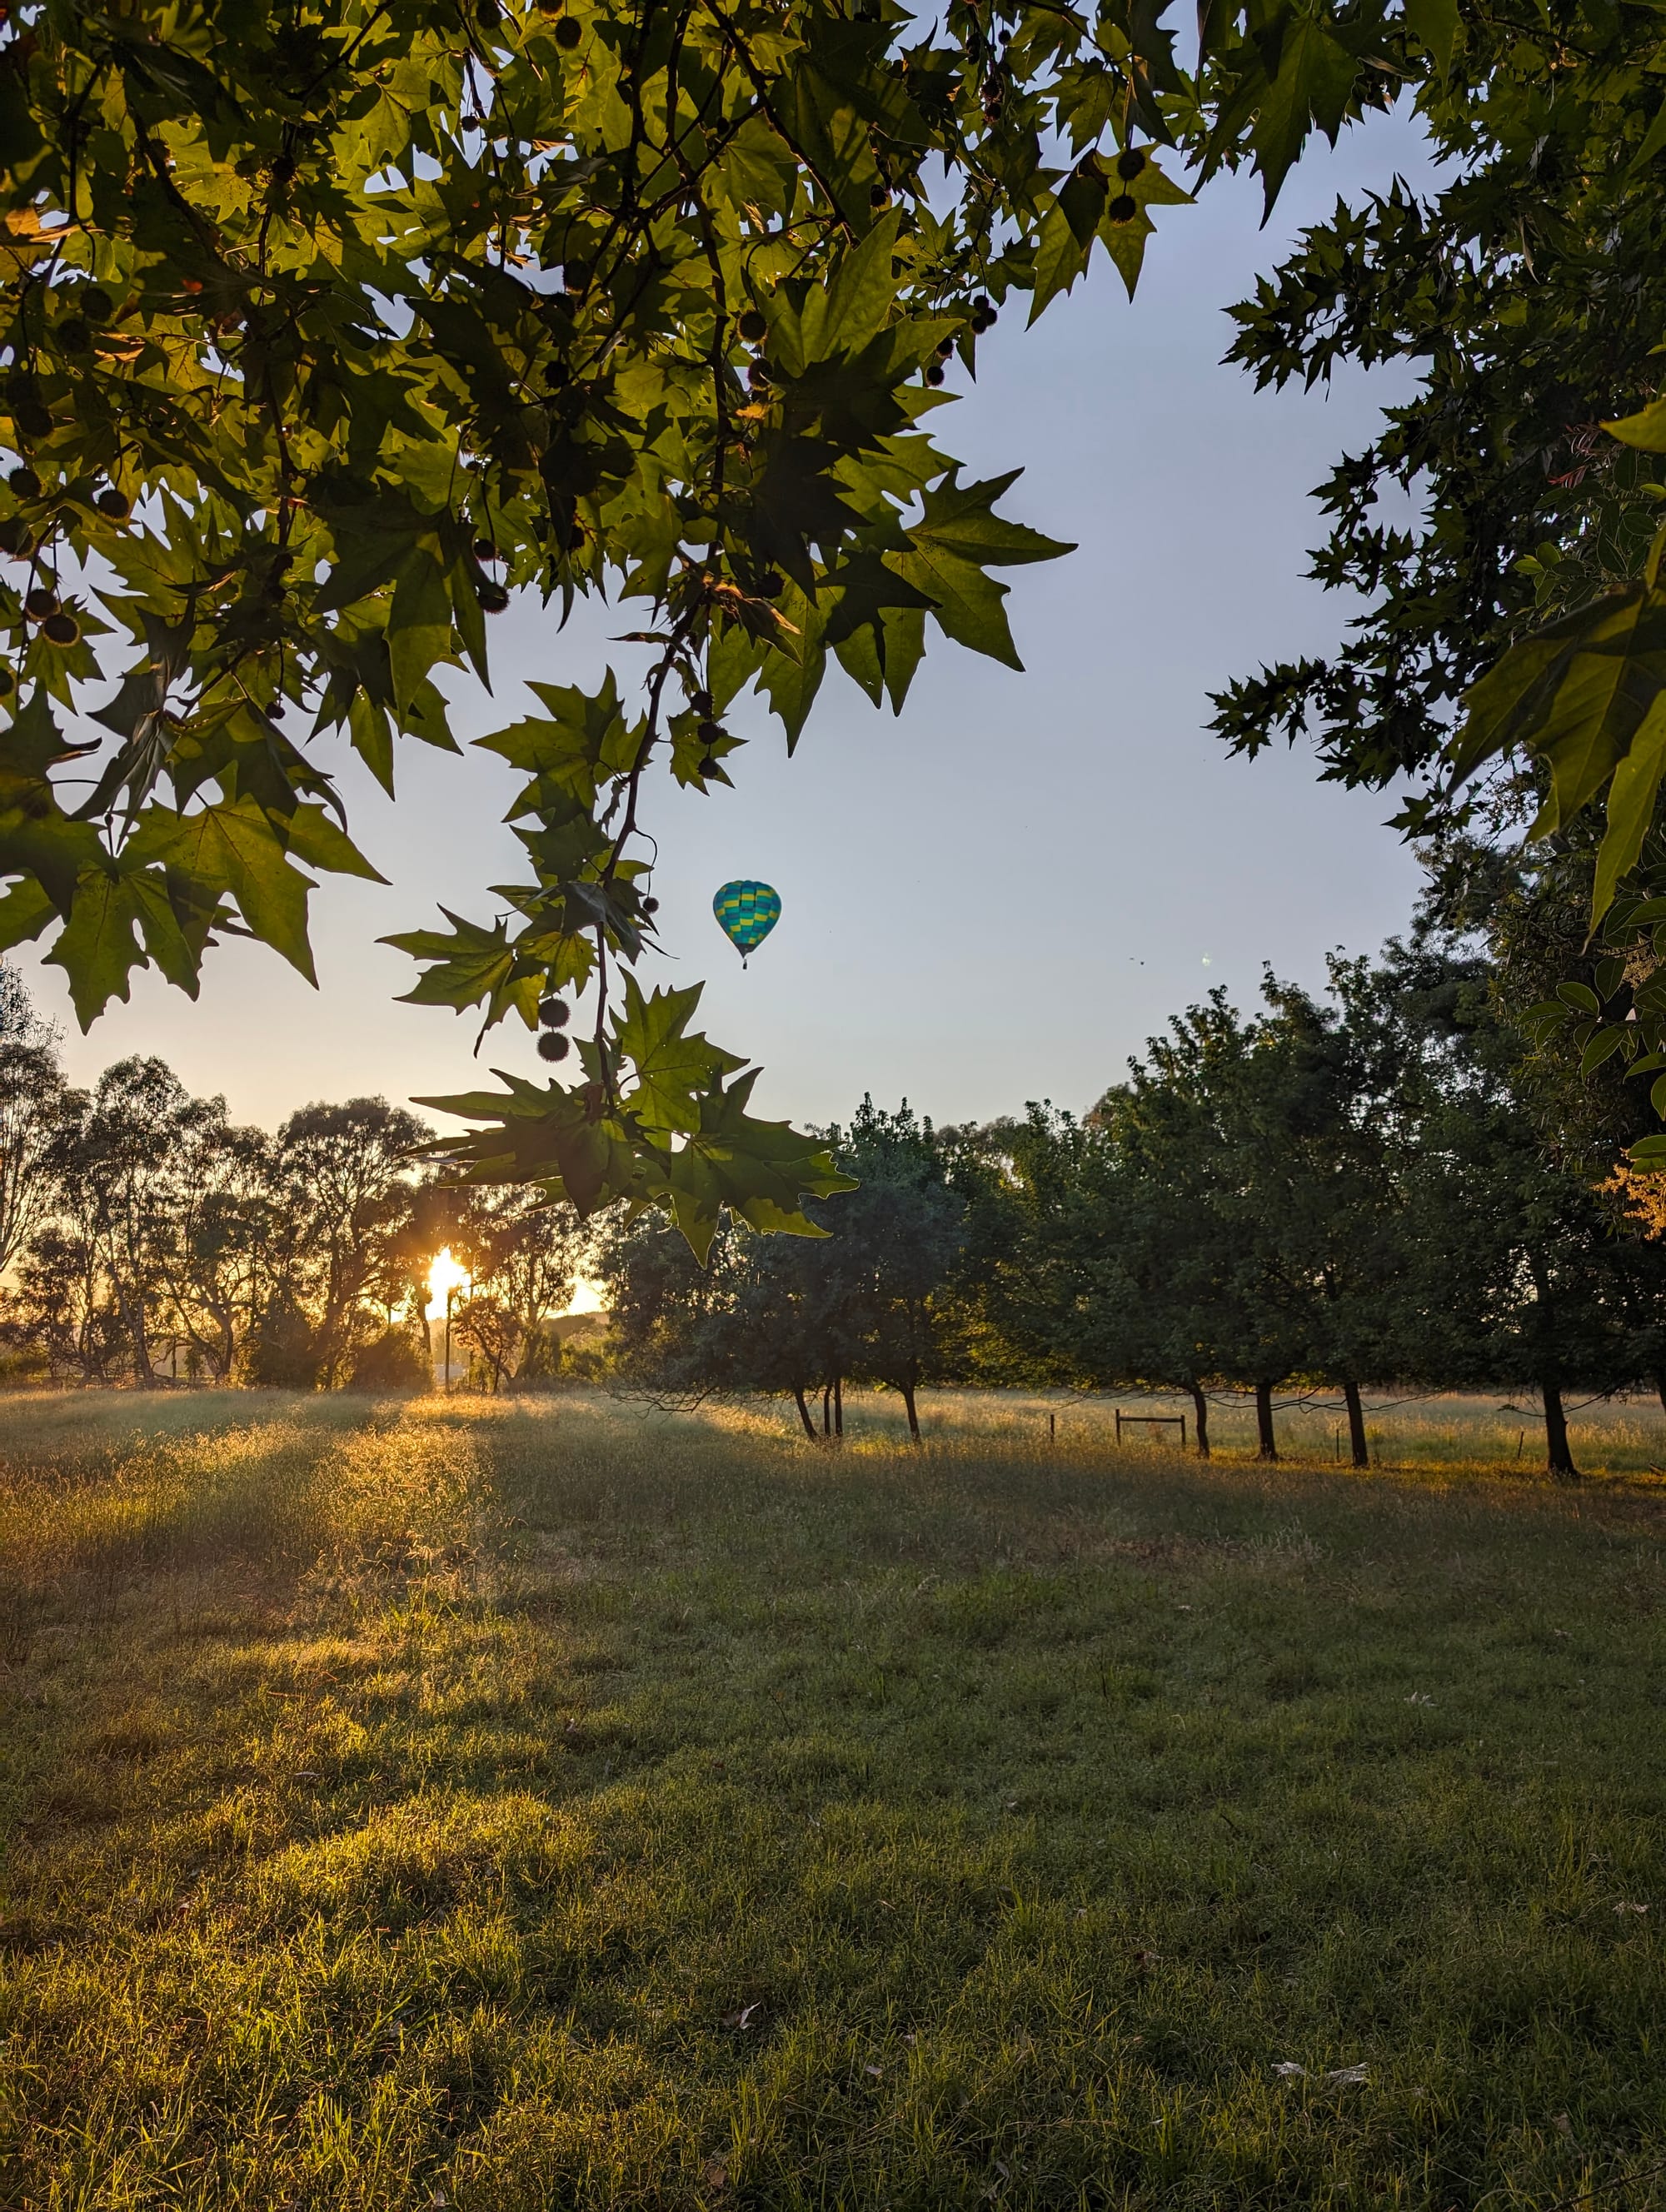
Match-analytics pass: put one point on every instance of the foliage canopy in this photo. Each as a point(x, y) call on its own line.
point(329, 325)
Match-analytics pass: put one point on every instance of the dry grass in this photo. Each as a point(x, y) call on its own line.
point(513, 1806)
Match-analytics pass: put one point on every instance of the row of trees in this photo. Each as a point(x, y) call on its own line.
point(1340, 1192)
point(147, 1237)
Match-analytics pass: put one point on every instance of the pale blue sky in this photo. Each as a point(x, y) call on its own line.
point(1000, 895)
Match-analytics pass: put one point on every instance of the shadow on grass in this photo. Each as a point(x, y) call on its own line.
point(549, 1807)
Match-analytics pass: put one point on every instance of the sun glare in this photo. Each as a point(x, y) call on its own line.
point(444, 1275)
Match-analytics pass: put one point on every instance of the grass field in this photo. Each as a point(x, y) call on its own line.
point(521, 1805)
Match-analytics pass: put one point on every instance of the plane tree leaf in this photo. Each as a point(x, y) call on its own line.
point(328, 333)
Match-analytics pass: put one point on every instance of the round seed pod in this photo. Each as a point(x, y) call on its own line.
point(650, 906)
point(935, 373)
point(710, 732)
point(568, 34)
point(700, 701)
point(33, 420)
point(555, 1013)
point(74, 334)
point(709, 765)
point(116, 504)
point(1129, 165)
point(550, 7)
point(60, 629)
point(752, 325)
point(25, 483)
point(551, 1045)
point(1124, 208)
point(771, 584)
point(16, 538)
point(8, 683)
point(492, 597)
point(485, 550)
point(40, 602)
point(96, 304)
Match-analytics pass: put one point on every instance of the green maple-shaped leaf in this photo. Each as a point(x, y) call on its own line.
point(761, 1170)
point(674, 1070)
point(471, 964)
point(232, 848)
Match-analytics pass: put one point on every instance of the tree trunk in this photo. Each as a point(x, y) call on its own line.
point(827, 1409)
point(838, 1405)
point(1200, 1410)
point(1357, 1441)
point(804, 1412)
point(1660, 1389)
point(1267, 1442)
point(1561, 1459)
point(907, 1389)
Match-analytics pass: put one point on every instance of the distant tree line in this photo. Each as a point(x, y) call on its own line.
point(145, 1237)
point(1342, 1193)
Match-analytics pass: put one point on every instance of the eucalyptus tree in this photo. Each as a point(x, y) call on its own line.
point(34, 1101)
point(343, 1192)
point(524, 1252)
point(119, 1172)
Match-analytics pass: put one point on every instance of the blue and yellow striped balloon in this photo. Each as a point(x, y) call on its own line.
point(746, 913)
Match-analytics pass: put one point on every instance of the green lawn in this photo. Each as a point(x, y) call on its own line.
point(544, 1805)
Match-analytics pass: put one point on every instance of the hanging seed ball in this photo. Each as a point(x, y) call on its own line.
point(1129, 165)
point(41, 602)
point(936, 373)
point(493, 599)
point(8, 683)
point(549, 7)
point(758, 376)
point(984, 305)
point(485, 550)
point(1124, 208)
point(700, 701)
point(96, 304)
point(752, 325)
point(551, 1045)
point(60, 629)
point(33, 420)
point(568, 34)
point(710, 732)
point(709, 766)
point(575, 275)
point(74, 334)
point(771, 584)
point(116, 504)
point(25, 483)
point(488, 15)
point(555, 1013)
point(945, 349)
point(16, 538)
point(878, 195)
point(650, 906)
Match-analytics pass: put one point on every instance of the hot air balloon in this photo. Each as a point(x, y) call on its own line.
point(746, 913)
